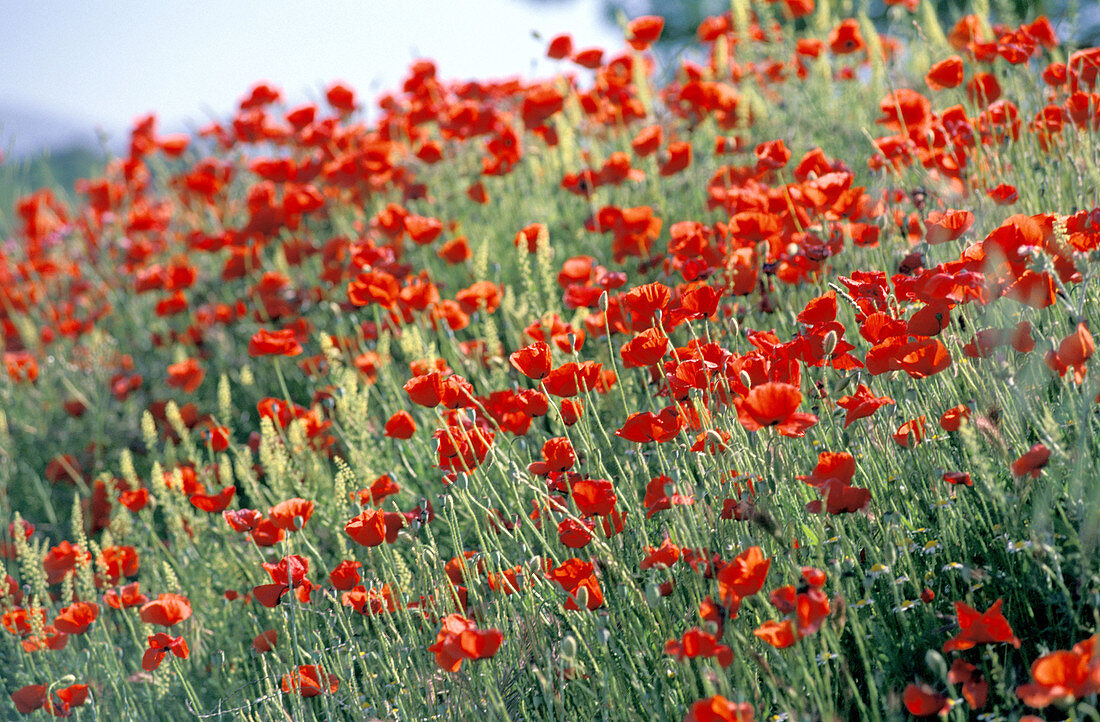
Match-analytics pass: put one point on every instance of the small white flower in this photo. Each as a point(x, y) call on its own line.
point(931, 546)
point(864, 603)
point(825, 657)
point(906, 605)
point(1018, 546)
point(953, 566)
point(877, 570)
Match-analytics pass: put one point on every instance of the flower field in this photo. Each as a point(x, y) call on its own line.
point(752, 383)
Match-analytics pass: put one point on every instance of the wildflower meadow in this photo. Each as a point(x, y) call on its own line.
point(749, 381)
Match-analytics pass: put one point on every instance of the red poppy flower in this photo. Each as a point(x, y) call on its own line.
point(774, 404)
point(947, 73)
point(1032, 461)
point(862, 404)
point(648, 140)
point(697, 643)
point(975, 688)
point(976, 628)
point(134, 499)
point(128, 596)
point(840, 498)
point(846, 38)
point(679, 158)
point(923, 701)
point(575, 533)
point(742, 577)
point(533, 361)
point(378, 490)
point(958, 477)
point(345, 575)
point(186, 375)
point(578, 579)
point(291, 514)
point(310, 681)
point(953, 418)
point(571, 411)
point(59, 704)
point(166, 610)
point(161, 644)
point(242, 520)
point(594, 497)
point(947, 226)
point(217, 437)
point(367, 529)
point(1072, 353)
point(560, 47)
point(289, 573)
point(374, 286)
point(641, 32)
point(265, 641)
point(572, 378)
point(29, 698)
point(778, 634)
point(911, 433)
point(1063, 675)
point(1004, 194)
point(400, 426)
point(341, 97)
point(590, 58)
point(274, 343)
point(266, 534)
point(657, 496)
point(719, 709)
point(645, 426)
point(557, 455)
point(457, 250)
point(645, 349)
point(213, 503)
point(831, 465)
point(661, 557)
point(460, 639)
point(76, 618)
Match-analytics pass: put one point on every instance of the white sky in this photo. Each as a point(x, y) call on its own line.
point(104, 62)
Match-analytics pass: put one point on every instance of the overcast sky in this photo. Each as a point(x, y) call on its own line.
point(101, 63)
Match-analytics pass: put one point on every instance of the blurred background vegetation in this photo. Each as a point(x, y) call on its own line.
point(1077, 23)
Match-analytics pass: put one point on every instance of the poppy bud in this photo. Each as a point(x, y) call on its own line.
point(935, 662)
point(569, 647)
point(299, 522)
point(829, 344)
point(604, 300)
point(746, 380)
point(582, 597)
point(652, 595)
point(67, 680)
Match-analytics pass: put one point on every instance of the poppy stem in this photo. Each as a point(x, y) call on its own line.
point(282, 381)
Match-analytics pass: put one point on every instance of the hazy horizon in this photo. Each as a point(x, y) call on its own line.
point(68, 71)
